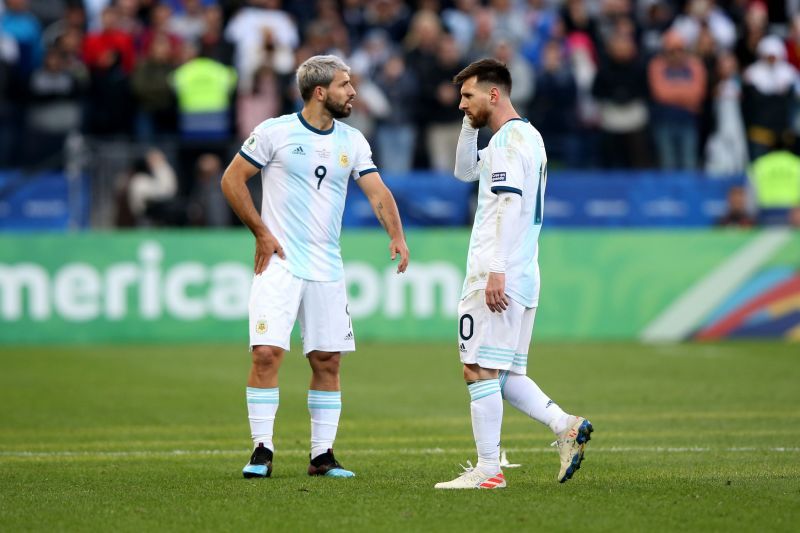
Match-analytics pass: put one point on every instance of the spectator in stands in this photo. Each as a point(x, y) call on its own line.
point(258, 100)
point(460, 22)
point(159, 27)
point(392, 16)
point(700, 14)
point(370, 105)
point(620, 89)
point(576, 17)
point(9, 52)
point(539, 17)
point(395, 134)
point(55, 110)
point(521, 72)
point(203, 88)
point(793, 43)
point(102, 48)
point(371, 55)
point(753, 31)
point(726, 149)
point(769, 93)
point(213, 43)
point(553, 109)
point(18, 23)
point(775, 178)
point(147, 194)
point(509, 21)
point(189, 23)
point(155, 100)
point(483, 38)
point(439, 104)
point(261, 93)
point(656, 17)
point(677, 82)
point(132, 17)
point(207, 205)
point(70, 44)
point(245, 29)
point(110, 57)
point(737, 213)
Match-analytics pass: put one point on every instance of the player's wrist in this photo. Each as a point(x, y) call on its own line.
point(497, 266)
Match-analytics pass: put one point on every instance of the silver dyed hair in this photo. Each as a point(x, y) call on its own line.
point(318, 70)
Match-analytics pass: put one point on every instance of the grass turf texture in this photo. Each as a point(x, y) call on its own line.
point(688, 437)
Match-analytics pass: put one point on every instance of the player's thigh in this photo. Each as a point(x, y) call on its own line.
point(525, 335)
point(488, 339)
point(325, 318)
point(274, 300)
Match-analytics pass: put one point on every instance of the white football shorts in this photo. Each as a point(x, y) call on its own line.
point(278, 298)
point(494, 340)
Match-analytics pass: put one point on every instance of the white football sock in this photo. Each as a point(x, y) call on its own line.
point(262, 404)
point(325, 408)
point(486, 408)
point(524, 394)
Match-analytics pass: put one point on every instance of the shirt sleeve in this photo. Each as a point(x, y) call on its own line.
point(257, 149)
point(363, 158)
point(508, 170)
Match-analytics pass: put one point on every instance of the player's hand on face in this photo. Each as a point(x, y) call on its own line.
point(266, 246)
point(496, 298)
point(399, 247)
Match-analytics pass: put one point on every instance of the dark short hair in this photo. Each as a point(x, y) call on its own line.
point(486, 70)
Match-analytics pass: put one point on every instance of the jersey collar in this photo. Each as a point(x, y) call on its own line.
point(312, 128)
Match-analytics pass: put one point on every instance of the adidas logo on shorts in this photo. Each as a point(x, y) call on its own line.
point(462, 348)
point(349, 336)
point(298, 151)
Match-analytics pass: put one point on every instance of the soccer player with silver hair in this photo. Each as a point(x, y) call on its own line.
point(305, 161)
point(501, 290)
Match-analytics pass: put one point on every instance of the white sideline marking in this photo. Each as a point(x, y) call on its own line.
point(678, 320)
point(405, 451)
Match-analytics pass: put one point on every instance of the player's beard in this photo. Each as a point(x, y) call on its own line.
point(337, 110)
point(479, 119)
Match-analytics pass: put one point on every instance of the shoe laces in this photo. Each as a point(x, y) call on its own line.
point(467, 469)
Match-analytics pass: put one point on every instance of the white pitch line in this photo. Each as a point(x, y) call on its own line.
point(678, 320)
point(403, 451)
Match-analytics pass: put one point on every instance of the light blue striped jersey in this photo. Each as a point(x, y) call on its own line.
point(514, 161)
point(304, 173)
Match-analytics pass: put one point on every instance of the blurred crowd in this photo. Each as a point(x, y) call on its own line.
point(673, 84)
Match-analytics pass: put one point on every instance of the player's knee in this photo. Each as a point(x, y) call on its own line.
point(471, 373)
point(267, 357)
point(325, 363)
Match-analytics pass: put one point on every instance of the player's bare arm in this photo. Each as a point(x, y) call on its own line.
point(234, 187)
point(382, 201)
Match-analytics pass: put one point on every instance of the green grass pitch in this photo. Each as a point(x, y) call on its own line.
point(700, 437)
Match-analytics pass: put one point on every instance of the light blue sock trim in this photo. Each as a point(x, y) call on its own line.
point(319, 399)
point(256, 395)
point(503, 378)
point(483, 388)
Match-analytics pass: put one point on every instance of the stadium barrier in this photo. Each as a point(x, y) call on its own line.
point(60, 201)
point(173, 286)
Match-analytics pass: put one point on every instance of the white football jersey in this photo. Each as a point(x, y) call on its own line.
point(514, 161)
point(304, 174)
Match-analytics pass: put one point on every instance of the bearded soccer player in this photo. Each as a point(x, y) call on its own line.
point(501, 289)
point(305, 161)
